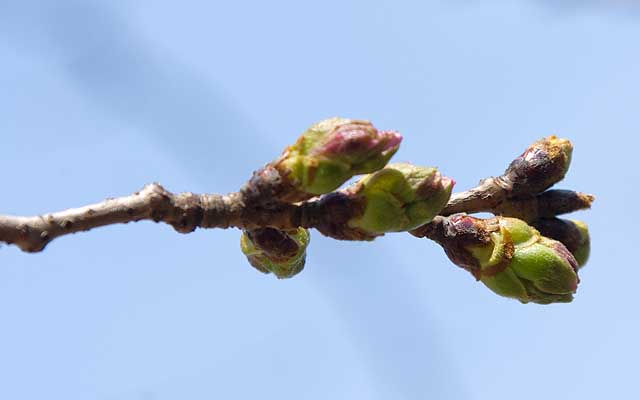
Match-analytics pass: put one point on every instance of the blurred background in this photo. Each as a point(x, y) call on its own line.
point(98, 98)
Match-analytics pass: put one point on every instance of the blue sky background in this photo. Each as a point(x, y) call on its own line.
point(98, 98)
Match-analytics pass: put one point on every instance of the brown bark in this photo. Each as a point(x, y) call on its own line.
point(188, 211)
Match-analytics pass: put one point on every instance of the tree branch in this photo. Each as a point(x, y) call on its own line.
point(187, 211)
point(153, 202)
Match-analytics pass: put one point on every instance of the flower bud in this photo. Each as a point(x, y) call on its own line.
point(272, 250)
point(573, 234)
point(511, 258)
point(400, 197)
point(542, 164)
point(332, 151)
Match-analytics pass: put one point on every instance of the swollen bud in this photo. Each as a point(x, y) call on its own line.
point(272, 250)
point(511, 258)
point(542, 165)
point(399, 197)
point(573, 234)
point(332, 151)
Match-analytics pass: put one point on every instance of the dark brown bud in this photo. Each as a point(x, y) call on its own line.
point(542, 165)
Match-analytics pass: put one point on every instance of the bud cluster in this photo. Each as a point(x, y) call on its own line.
point(533, 258)
point(395, 198)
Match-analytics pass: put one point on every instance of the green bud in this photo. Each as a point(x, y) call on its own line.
point(272, 250)
point(400, 197)
point(543, 267)
point(511, 258)
point(582, 251)
point(573, 234)
point(542, 165)
point(332, 151)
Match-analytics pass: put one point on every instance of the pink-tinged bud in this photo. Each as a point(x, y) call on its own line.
point(542, 165)
point(356, 142)
point(332, 151)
